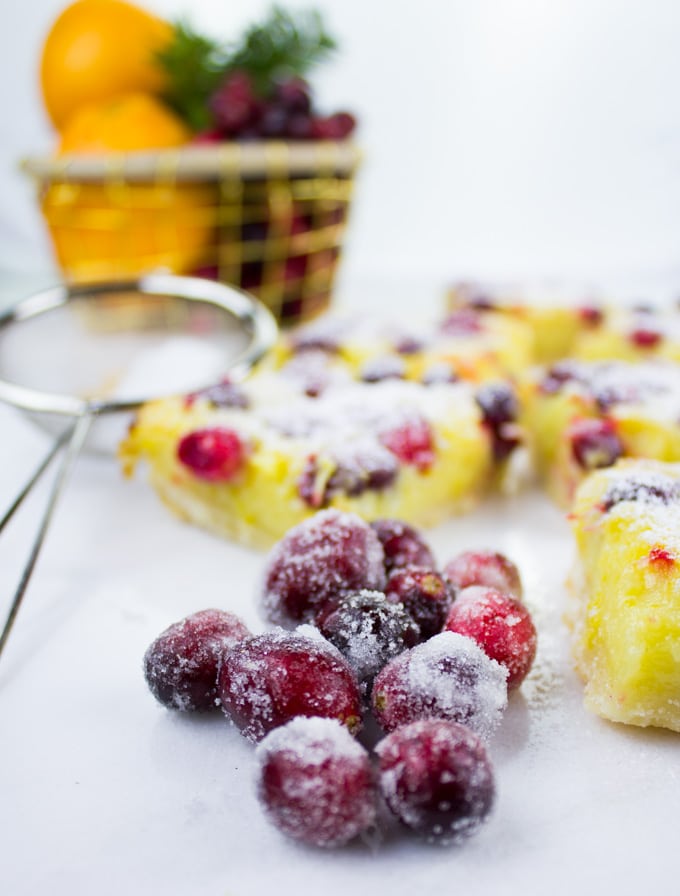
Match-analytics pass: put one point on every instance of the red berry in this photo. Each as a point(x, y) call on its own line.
point(402, 545)
point(224, 394)
point(270, 679)
point(462, 322)
point(499, 407)
point(424, 593)
point(335, 127)
point(448, 677)
point(591, 315)
point(437, 779)
point(181, 665)
point(594, 443)
point(484, 568)
point(316, 783)
point(501, 625)
point(412, 443)
point(234, 105)
point(215, 454)
point(368, 631)
point(330, 554)
point(646, 337)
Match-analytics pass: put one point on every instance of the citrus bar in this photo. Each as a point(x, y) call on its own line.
point(586, 415)
point(626, 617)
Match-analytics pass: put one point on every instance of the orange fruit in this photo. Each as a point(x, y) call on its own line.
point(97, 49)
point(125, 123)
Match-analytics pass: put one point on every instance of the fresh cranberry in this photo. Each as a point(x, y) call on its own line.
point(368, 631)
point(402, 545)
point(208, 137)
point(234, 105)
point(273, 121)
point(646, 337)
point(386, 367)
point(487, 568)
point(500, 624)
point(448, 677)
point(369, 469)
point(557, 376)
point(316, 783)
point(462, 322)
point(412, 443)
point(499, 407)
point(662, 557)
point(594, 443)
point(647, 488)
point(294, 95)
point(334, 127)
point(436, 778)
point(300, 126)
point(329, 554)
point(215, 454)
point(224, 394)
point(267, 680)
point(424, 593)
point(181, 665)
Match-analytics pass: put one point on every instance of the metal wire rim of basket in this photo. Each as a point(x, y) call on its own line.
point(268, 216)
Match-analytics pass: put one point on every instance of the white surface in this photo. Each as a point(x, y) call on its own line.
point(106, 792)
point(505, 137)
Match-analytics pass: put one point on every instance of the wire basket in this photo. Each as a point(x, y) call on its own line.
point(269, 217)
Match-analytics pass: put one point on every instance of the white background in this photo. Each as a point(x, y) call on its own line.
point(502, 137)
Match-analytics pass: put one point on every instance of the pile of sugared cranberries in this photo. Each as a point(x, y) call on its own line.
point(431, 654)
point(284, 112)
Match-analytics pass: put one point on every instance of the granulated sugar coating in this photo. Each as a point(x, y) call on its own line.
point(436, 778)
point(448, 677)
point(181, 665)
point(271, 678)
point(316, 783)
point(327, 555)
point(368, 630)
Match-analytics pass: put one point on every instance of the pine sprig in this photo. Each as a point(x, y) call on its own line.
point(282, 45)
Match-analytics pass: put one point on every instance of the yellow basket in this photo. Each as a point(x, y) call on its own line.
point(267, 216)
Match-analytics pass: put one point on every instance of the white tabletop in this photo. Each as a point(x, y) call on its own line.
point(105, 792)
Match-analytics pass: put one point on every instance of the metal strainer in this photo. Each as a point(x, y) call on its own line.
point(80, 360)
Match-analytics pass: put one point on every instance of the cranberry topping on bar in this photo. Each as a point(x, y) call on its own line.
point(412, 443)
point(499, 407)
point(594, 443)
point(215, 454)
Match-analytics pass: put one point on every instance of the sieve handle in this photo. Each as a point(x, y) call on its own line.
point(73, 439)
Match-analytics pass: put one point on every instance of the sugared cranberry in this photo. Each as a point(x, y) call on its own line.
point(557, 376)
point(222, 395)
point(462, 322)
point(652, 488)
point(267, 680)
point(448, 677)
point(487, 568)
point(387, 367)
point(594, 443)
point(215, 454)
point(316, 783)
point(330, 554)
point(500, 624)
point(499, 407)
point(437, 779)
point(424, 594)
point(402, 545)
point(412, 443)
point(181, 665)
point(368, 631)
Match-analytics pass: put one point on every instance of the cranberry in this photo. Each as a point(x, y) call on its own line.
point(412, 443)
point(500, 624)
point(408, 345)
point(234, 105)
point(224, 394)
point(402, 545)
point(437, 779)
point(499, 407)
point(181, 665)
point(300, 126)
point(316, 782)
point(294, 95)
point(269, 679)
point(448, 677)
point(383, 368)
point(354, 474)
point(215, 454)
point(646, 336)
point(662, 557)
point(557, 376)
point(273, 121)
point(484, 568)
point(334, 127)
point(424, 593)
point(594, 443)
point(652, 488)
point(591, 315)
point(368, 631)
point(324, 556)
point(462, 322)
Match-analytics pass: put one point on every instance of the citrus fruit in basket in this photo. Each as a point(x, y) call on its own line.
point(97, 49)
